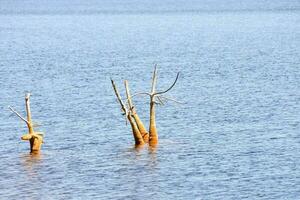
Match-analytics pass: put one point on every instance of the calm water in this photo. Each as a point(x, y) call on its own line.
point(237, 135)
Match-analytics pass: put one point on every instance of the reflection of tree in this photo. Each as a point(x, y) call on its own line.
point(152, 162)
point(30, 162)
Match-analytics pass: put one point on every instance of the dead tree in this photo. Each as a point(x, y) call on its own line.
point(156, 98)
point(136, 117)
point(139, 131)
point(35, 138)
point(128, 113)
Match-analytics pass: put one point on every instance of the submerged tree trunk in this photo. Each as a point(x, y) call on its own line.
point(141, 127)
point(136, 117)
point(135, 130)
point(27, 104)
point(153, 137)
point(34, 139)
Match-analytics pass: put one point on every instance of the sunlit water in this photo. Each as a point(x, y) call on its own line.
point(236, 136)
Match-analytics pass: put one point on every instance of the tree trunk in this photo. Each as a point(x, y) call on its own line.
point(35, 140)
point(141, 127)
point(136, 117)
point(153, 137)
point(136, 132)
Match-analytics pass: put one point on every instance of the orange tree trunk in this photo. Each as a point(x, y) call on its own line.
point(141, 127)
point(135, 131)
point(35, 144)
point(136, 117)
point(35, 141)
point(153, 137)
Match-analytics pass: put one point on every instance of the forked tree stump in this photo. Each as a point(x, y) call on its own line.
point(35, 138)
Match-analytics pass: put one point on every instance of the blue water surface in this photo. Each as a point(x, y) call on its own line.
point(237, 135)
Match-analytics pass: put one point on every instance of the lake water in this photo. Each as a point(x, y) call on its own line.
point(237, 135)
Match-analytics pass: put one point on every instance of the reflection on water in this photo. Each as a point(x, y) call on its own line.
point(32, 175)
point(152, 153)
point(30, 160)
point(30, 163)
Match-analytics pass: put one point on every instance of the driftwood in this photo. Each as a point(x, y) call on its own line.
point(35, 138)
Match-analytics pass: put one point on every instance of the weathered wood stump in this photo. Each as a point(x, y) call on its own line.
point(35, 138)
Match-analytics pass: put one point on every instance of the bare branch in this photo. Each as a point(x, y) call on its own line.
point(27, 96)
point(119, 97)
point(154, 78)
point(156, 103)
point(157, 93)
point(27, 101)
point(128, 96)
point(171, 99)
point(140, 94)
point(22, 118)
point(160, 100)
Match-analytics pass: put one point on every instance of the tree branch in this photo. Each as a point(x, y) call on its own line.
point(22, 118)
point(157, 93)
point(154, 78)
point(129, 99)
point(140, 93)
point(119, 97)
point(160, 100)
point(171, 99)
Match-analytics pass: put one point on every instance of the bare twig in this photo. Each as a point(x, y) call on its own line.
point(165, 91)
point(123, 107)
point(171, 99)
point(160, 100)
point(129, 99)
point(140, 94)
point(22, 118)
point(154, 78)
